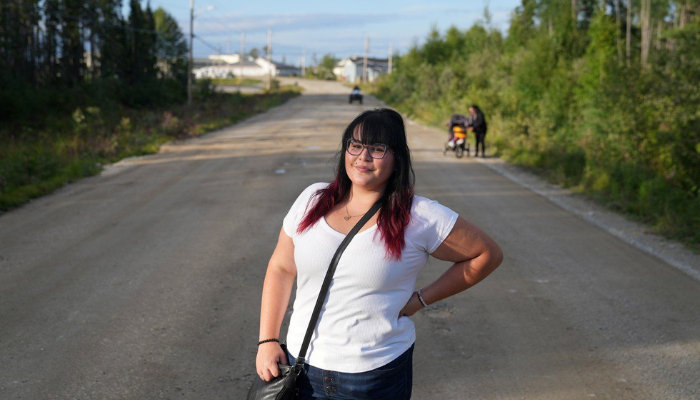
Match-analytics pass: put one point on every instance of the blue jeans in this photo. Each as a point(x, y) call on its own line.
point(392, 381)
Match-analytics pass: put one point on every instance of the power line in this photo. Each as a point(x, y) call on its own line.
point(211, 46)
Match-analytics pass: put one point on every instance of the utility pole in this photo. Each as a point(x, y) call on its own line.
point(241, 57)
point(364, 64)
point(189, 63)
point(269, 58)
point(391, 55)
point(303, 63)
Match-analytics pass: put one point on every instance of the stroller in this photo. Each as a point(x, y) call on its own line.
point(458, 136)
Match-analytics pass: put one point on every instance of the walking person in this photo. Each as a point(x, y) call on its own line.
point(363, 342)
point(479, 127)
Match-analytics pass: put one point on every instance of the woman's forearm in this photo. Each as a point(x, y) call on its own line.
point(275, 299)
point(461, 276)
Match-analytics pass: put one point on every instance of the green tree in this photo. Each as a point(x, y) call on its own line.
point(72, 49)
point(434, 51)
point(171, 47)
point(149, 44)
point(522, 25)
point(113, 41)
point(137, 69)
point(51, 43)
point(680, 128)
point(325, 67)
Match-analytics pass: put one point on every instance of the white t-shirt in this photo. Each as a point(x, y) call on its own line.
point(359, 328)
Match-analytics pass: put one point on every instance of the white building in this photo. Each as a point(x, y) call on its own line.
point(352, 69)
point(246, 68)
point(340, 68)
point(278, 69)
point(230, 66)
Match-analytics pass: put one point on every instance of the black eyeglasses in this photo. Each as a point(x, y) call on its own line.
point(376, 151)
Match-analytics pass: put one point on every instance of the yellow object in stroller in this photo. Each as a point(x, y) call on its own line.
point(458, 143)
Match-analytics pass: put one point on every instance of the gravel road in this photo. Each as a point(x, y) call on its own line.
point(144, 282)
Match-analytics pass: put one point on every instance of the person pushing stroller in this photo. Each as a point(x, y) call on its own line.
point(477, 124)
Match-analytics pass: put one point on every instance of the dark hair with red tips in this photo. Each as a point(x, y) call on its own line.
point(384, 126)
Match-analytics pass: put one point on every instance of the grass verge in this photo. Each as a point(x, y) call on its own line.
point(34, 163)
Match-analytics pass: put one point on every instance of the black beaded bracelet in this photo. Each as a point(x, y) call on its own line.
point(267, 341)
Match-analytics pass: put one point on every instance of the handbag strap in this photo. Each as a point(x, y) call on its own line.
point(327, 283)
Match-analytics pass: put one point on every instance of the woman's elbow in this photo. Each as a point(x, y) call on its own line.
point(495, 256)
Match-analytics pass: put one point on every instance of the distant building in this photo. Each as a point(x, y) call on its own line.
point(199, 62)
point(339, 69)
point(245, 68)
point(229, 66)
point(277, 68)
point(352, 69)
point(226, 58)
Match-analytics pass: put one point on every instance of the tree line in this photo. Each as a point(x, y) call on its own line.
point(603, 95)
point(59, 54)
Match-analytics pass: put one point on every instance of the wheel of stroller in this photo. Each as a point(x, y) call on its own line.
point(459, 152)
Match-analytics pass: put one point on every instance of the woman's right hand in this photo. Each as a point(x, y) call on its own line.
point(269, 354)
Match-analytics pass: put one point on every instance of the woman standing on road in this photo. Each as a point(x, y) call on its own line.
point(478, 125)
point(363, 344)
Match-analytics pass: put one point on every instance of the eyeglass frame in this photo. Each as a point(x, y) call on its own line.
point(366, 147)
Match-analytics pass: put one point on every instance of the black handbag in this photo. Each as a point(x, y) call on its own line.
point(284, 386)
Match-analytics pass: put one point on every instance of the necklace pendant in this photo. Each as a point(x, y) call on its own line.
point(347, 217)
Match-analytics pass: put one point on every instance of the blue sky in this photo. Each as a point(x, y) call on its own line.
point(327, 27)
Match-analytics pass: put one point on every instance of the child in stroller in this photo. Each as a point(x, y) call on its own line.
point(457, 135)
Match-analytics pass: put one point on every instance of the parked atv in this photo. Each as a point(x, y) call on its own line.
point(355, 97)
